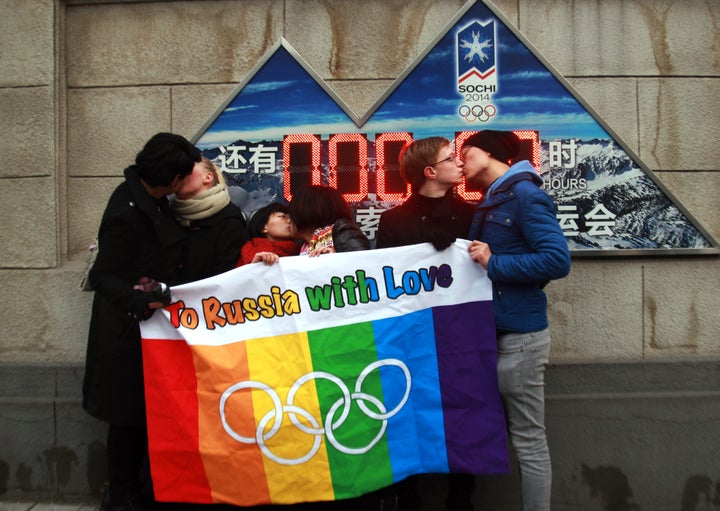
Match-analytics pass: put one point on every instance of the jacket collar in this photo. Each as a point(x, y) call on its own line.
point(167, 230)
point(502, 189)
point(433, 206)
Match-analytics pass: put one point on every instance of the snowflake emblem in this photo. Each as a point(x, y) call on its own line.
point(476, 48)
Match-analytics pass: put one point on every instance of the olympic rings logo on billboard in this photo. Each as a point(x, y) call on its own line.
point(318, 427)
point(477, 112)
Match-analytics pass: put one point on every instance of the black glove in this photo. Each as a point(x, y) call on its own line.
point(440, 239)
point(139, 304)
point(160, 293)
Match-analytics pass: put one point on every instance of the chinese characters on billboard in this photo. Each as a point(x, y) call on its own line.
point(284, 128)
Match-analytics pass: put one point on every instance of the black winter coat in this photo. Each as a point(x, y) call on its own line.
point(138, 237)
point(423, 219)
point(214, 244)
point(347, 237)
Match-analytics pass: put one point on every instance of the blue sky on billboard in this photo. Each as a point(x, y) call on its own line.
point(282, 98)
point(477, 74)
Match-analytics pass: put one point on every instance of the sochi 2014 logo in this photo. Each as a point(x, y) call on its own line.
point(476, 70)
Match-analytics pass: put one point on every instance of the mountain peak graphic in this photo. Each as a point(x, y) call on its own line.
point(478, 73)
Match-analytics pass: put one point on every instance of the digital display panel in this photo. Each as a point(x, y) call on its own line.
point(284, 128)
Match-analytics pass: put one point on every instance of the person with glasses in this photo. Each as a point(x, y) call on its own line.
point(271, 236)
point(432, 214)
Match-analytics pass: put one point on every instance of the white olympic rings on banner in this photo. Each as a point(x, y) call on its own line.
point(317, 428)
point(477, 112)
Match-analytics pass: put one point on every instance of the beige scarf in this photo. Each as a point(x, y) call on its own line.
point(205, 204)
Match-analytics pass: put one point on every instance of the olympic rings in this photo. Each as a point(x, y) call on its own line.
point(250, 385)
point(477, 112)
point(317, 428)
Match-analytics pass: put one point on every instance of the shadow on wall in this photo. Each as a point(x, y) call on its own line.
point(57, 465)
point(611, 486)
point(697, 486)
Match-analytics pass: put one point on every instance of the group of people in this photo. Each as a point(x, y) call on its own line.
point(171, 221)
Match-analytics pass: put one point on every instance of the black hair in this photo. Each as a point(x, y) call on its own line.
point(165, 156)
point(502, 145)
point(261, 216)
point(317, 206)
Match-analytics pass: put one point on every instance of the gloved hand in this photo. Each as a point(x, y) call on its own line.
point(160, 293)
point(149, 292)
point(440, 238)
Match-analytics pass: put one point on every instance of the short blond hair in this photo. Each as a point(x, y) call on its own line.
point(209, 166)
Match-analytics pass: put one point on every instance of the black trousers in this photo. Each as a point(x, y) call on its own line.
point(459, 497)
point(128, 466)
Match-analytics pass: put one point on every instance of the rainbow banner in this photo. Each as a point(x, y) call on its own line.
point(323, 378)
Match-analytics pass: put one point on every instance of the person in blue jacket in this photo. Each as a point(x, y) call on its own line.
point(516, 237)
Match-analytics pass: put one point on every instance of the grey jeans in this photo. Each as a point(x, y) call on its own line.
point(522, 358)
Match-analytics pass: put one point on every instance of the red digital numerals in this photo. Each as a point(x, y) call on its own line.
point(348, 163)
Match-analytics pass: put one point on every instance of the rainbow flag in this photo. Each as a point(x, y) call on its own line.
point(323, 378)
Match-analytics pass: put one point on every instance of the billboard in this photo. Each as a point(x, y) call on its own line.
point(284, 127)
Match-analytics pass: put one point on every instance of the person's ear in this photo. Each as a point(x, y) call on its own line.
point(429, 172)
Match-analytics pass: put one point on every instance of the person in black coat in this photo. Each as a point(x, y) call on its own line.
point(215, 227)
point(432, 214)
point(140, 245)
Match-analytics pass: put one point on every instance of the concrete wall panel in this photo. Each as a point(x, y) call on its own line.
point(195, 105)
point(679, 307)
point(699, 193)
point(593, 312)
point(372, 39)
point(78, 458)
point(87, 196)
point(107, 127)
point(28, 127)
point(45, 315)
point(360, 95)
point(26, 433)
point(168, 42)
point(29, 238)
point(50, 448)
point(610, 452)
point(26, 43)
point(619, 38)
point(679, 123)
point(614, 103)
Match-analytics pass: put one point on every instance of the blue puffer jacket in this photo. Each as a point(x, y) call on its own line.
point(517, 219)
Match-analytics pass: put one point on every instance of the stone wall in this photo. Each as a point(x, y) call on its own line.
point(84, 83)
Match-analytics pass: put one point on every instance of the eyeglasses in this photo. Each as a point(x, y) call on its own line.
point(449, 158)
